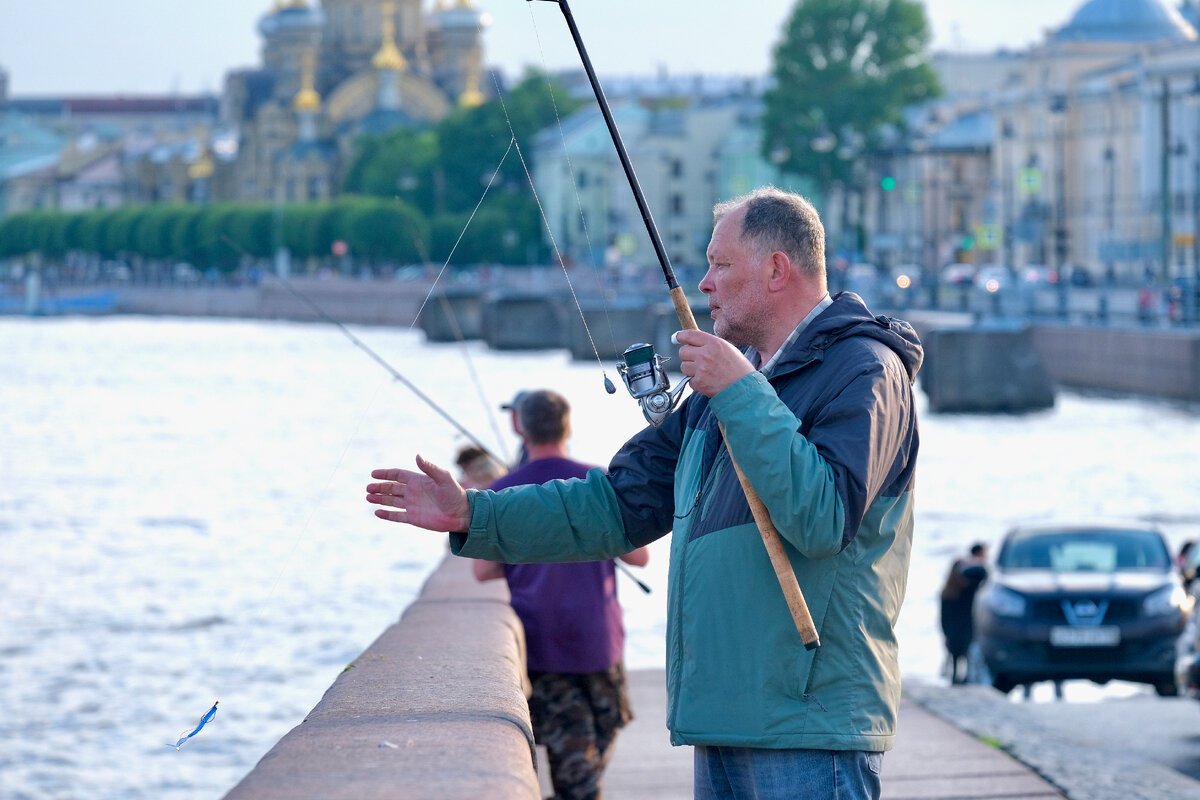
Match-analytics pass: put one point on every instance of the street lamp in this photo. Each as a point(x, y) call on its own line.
point(1192, 98)
point(1058, 110)
point(1110, 222)
point(1007, 134)
point(1164, 179)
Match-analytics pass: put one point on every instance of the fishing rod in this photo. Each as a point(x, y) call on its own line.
point(649, 367)
point(412, 387)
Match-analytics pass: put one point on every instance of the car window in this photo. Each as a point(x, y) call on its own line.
point(1086, 551)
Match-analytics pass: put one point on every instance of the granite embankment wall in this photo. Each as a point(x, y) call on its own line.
point(1151, 361)
point(435, 707)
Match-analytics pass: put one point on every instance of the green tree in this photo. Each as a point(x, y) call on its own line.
point(402, 164)
point(387, 230)
point(299, 226)
point(472, 140)
point(251, 229)
point(844, 70)
point(153, 238)
point(215, 246)
point(16, 234)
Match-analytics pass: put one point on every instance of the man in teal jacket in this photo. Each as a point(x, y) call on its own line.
point(817, 406)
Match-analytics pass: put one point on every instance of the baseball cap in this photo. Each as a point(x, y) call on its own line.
point(516, 401)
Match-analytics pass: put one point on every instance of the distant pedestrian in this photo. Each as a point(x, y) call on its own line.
point(958, 599)
point(1186, 564)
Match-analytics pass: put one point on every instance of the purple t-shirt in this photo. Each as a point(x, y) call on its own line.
point(570, 612)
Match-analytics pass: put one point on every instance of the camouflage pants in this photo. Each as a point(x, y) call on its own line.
point(577, 718)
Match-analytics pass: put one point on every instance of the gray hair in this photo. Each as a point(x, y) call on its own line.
point(784, 221)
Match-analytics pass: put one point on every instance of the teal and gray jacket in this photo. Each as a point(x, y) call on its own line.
point(829, 442)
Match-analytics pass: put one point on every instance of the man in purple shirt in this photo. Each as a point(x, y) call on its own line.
point(574, 635)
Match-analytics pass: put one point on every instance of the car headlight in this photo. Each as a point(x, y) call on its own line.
point(1167, 600)
point(1005, 602)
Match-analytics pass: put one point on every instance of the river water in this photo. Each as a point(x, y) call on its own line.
point(181, 520)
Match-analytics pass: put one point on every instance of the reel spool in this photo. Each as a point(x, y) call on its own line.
point(642, 371)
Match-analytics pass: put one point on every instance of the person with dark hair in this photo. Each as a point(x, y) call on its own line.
point(477, 468)
point(813, 397)
point(966, 575)
point(574, 633)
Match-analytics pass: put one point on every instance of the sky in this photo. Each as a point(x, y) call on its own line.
point(137, 47)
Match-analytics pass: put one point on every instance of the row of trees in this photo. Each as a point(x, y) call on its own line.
point(409, 196)
point(219, 235)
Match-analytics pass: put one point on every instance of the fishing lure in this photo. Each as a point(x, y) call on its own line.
point(212, 712)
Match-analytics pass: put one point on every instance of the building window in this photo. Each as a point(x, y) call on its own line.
point(676, 204)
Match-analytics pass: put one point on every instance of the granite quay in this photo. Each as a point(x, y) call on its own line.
point(976, 361)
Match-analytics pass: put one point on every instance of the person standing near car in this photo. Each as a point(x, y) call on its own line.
point(958, 599)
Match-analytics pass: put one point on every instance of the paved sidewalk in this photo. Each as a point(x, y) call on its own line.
point(932, 760)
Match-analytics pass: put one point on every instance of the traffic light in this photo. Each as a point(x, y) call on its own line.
point(888, 183)
point(1061, 243)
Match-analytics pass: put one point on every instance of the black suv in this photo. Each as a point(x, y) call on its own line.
point(1094, 602)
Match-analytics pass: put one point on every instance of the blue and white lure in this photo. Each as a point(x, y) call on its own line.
point(212, 712)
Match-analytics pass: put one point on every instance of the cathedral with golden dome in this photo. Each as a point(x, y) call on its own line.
point(334, 72)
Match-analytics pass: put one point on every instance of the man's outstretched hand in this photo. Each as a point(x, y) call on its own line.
point(429, 499)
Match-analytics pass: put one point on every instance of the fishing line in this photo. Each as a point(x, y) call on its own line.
point(383, 363)
point(608, 384)
point(463, 232)
point(587, 235)
point(452, 318)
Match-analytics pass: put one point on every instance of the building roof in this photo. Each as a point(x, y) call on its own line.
point(1125, 21)
point(26, 146)
point(973, 131)
point(116, 104)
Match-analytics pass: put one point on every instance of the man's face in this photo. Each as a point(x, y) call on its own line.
point(736, 283)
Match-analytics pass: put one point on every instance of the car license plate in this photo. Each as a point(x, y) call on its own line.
point(1099, 636)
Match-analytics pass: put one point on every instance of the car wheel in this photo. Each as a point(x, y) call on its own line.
point(1166, 689)
point(1003, 683)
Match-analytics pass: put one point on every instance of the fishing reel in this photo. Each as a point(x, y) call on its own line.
point(646, 379)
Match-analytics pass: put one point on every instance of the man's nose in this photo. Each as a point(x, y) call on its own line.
point(706, 285)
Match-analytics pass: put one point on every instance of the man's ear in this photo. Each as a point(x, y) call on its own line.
point(780, 273)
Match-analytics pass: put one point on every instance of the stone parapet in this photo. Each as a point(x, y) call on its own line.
point(435, 707)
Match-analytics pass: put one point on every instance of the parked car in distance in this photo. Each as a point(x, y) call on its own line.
point(1096, 602)
point(958, 274)
point(1078, 276)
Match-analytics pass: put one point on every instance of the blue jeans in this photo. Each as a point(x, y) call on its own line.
point(748, 773)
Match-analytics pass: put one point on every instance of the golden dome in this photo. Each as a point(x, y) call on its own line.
point(201, 168)
point(471, 98)
point(389, 56)
point(307, 98)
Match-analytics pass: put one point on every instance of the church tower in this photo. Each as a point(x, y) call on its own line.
point(290, 32)
point(354, 34)
point(456, 49)
point(388, 63)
